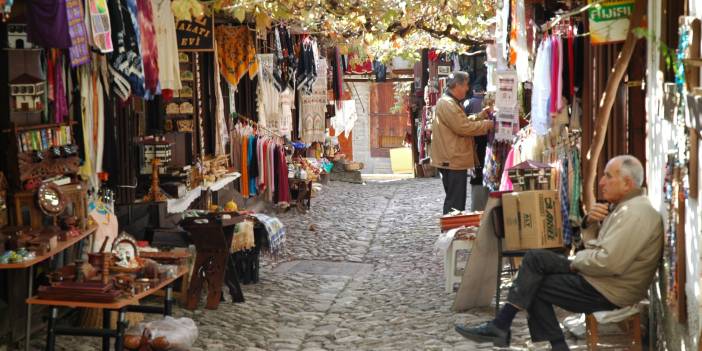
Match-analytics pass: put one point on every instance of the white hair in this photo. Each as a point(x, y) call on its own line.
point(457, 77)
point(631, 167)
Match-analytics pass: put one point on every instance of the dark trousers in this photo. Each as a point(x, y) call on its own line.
point(455, 187)
point(545, 280)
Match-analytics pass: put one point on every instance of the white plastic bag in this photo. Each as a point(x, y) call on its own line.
point(181, 333)
point(178, 334)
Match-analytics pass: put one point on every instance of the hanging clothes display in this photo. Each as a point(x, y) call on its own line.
point(313, 109)
point(260, 165)
point(167, 46)
point(237, 53)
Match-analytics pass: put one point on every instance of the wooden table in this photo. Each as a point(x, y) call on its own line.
point(29, 264)
point(122, 306)
point(214, 266)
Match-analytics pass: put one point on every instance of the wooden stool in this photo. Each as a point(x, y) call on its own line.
point(633, 329)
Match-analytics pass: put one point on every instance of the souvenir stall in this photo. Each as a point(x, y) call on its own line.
point(107, 131)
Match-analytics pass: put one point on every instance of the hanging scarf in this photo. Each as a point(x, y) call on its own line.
point(565, 203)
point(131, 20)
point(123, 56)
point(222, 135)
point(149, 49)
point(97, 19)
point(60, 104)
point(76, 29)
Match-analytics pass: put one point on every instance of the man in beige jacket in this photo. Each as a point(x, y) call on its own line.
point(623, 245)
point(452, 145)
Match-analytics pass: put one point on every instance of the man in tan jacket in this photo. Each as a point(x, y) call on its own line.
point(452, 145)
point(623, 245)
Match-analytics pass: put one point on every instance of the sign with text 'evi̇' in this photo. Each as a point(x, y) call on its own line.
point(196, 35)
point(609, 21)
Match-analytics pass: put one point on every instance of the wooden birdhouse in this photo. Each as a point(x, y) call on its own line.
point(27, 93)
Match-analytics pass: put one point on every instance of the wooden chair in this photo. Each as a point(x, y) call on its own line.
point(632, 326)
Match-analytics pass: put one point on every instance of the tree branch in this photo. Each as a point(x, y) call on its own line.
point(397, 28)
point(605, 108)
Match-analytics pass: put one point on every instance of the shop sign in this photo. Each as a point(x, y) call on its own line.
point(609, 21)
point(196, 35)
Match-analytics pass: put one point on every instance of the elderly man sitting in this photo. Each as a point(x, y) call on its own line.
point(624, 241)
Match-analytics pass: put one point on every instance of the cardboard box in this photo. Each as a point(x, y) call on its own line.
point(532, 220)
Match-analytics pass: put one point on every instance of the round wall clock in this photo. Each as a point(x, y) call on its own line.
point(50, 199)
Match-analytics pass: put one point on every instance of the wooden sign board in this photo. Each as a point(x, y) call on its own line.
point(196, 35)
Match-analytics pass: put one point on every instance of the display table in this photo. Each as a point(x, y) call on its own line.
point(29, 264)
point(122, 306)
point(212, 236)
point(182, 204)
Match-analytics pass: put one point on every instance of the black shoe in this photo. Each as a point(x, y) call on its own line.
point(485, 332)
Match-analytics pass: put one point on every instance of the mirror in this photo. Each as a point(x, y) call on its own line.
point(50, 199)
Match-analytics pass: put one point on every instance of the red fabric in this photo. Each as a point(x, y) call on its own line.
point(149, 49)
point(283, 183)
point(553, 103)
point(571, 65)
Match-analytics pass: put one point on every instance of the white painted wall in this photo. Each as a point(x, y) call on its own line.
point(661, 140)
point(360, 91)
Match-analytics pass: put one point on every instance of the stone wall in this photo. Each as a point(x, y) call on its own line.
point(360, 91)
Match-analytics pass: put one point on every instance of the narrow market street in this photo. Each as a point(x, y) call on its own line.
point(359, 274)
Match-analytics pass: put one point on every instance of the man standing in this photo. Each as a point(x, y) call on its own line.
point(623, 245)
point(478, 192)
point(452, 145)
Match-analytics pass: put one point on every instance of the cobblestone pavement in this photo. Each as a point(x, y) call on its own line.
point(383, 290)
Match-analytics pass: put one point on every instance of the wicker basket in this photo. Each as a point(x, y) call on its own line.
point(353, 166)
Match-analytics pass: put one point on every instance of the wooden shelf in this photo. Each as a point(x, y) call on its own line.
point(39, 126)
point(62, 245)
point(25, 50)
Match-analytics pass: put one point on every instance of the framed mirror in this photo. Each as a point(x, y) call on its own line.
point(124, 250)
point(50, 199)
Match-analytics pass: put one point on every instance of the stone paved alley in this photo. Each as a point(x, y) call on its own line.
point(358, 274)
